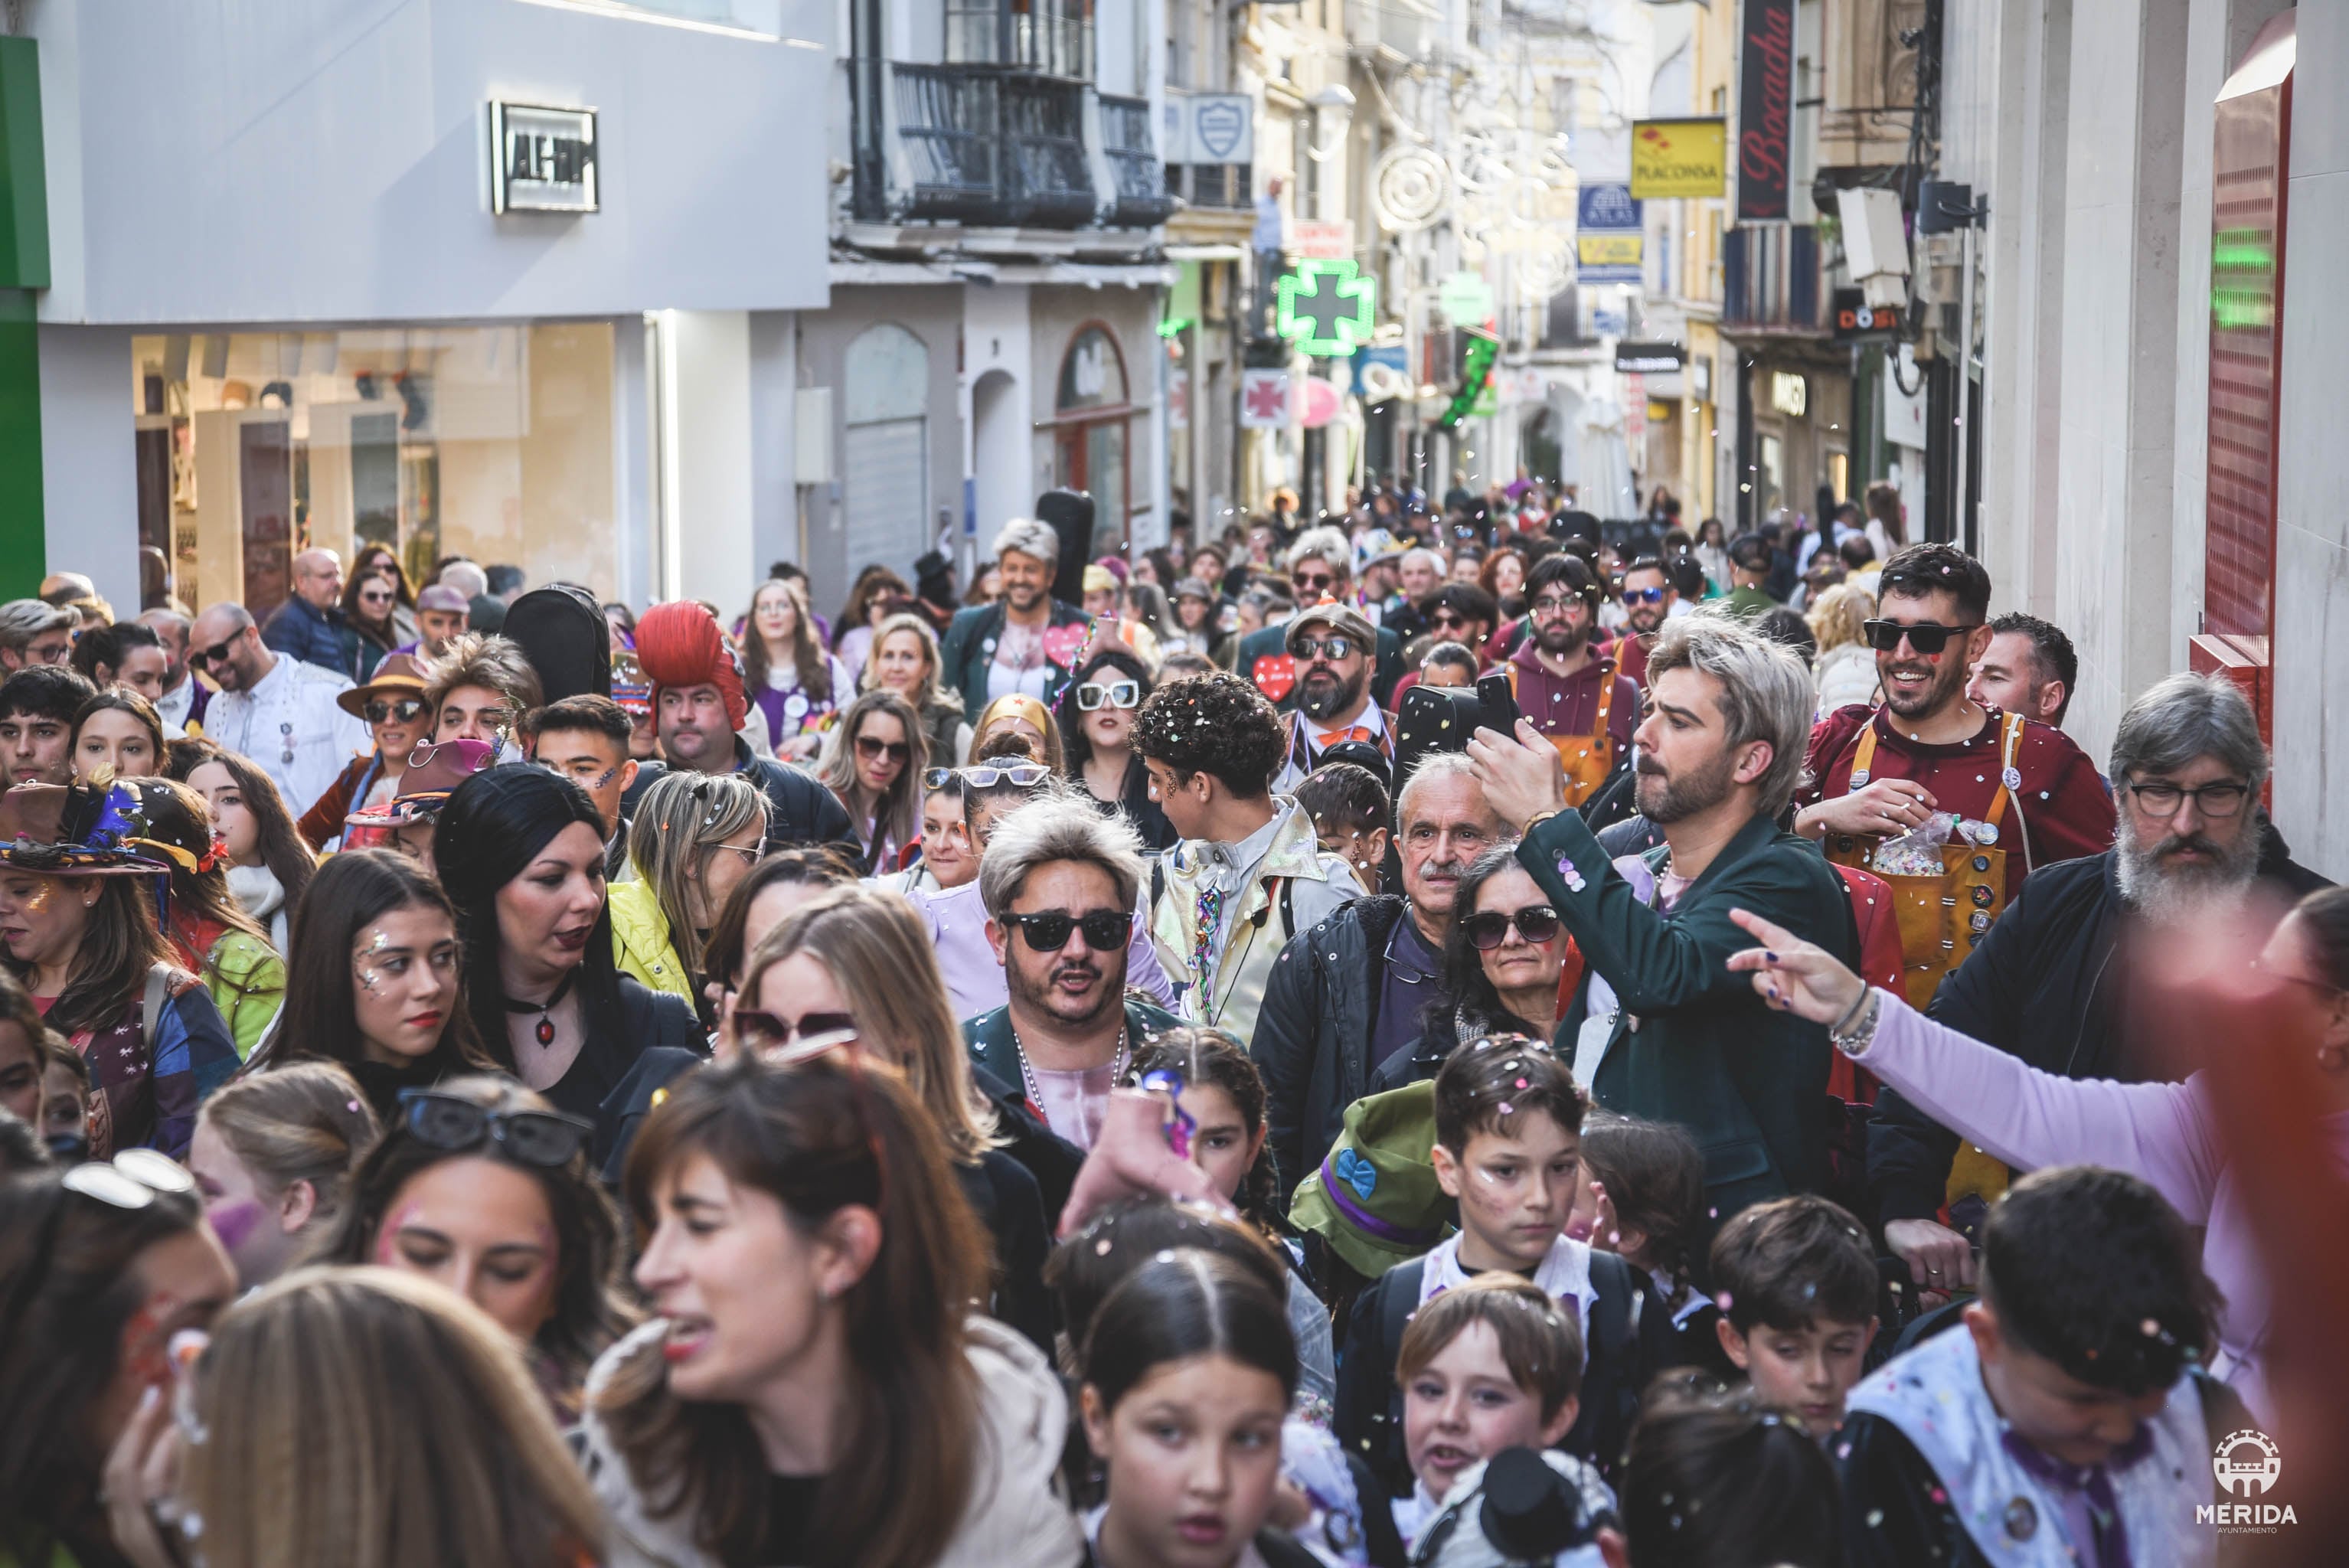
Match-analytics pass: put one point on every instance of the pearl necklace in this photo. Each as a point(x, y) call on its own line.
point(1027, 1071)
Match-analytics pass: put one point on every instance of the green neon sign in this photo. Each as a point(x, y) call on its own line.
point(1475, 379)
point(1327, 308)
point(2242, 279)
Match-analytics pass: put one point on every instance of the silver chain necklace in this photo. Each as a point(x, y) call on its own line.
point(1028, 1070)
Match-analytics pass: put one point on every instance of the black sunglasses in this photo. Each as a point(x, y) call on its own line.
point(1536, 924)
point(404, 709)
point(198, 657)
point(1925, 636)
point(1320, 647)
point(871, 748)
point(1106, 929)
point(546, 1139)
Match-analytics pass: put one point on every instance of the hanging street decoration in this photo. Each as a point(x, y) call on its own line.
point(1327, 308)
point(1475, 378)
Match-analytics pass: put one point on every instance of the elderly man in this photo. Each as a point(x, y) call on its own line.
point(1321, 566)
point(310, 625)
point(33, 632)
point(2051, 981)
point(1348, 994)
point(185, 698)
point(1029, 641)
point(280, 712)
point(1662, 1029)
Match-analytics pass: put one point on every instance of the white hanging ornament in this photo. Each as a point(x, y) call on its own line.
point(1411, 187)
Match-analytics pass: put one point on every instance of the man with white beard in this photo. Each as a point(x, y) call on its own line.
point(2054, 981)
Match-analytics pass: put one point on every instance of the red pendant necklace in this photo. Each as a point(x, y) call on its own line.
point(545, 1029)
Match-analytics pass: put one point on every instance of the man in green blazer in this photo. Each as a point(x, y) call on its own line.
point(1661, 1029)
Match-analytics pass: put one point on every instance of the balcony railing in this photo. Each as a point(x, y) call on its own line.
point(1045, 182)
point(1142, 194)
point(1770, 279)
point(946, 126)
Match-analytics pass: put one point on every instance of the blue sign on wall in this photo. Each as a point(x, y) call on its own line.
point(1607, 207)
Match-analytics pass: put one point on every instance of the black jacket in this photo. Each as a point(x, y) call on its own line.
point(800, 810)
point(2050, 984)
point(1632, 1340)
point(1313, 1033)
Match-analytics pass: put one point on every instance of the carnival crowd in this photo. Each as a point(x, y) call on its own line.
point(1450, 1034)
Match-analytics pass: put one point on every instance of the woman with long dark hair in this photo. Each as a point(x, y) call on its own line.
point(77, 929)
point(101, 1264)
point(270, 863)
point(874, 763)
point(370, 600)
point(382, 561)
point(483, 1186)
point(375, 981)
point(520, 853)
point(792, 682)
point(878, 592)
point(128, 654)
point(116, 732)
point(214, 935)
point(1096, 720)
point(815, 1364)
point(1506, 962)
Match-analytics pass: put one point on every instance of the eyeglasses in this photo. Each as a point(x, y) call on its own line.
point(1325, 647)
point(981, 776)
point(1925, 636)
point(1536, 924)
point(400, 712)
point(873, 748)
point(546, 1139)
point(1105, 930)
point(1093, 695)
point(1550, 604)
point(2217, 801)
point(1644, 595)
point(198, 657)
point(759, 1033)
point(751, 854)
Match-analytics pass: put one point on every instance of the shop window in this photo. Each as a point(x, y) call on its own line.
point(494, 443)
point(1092, 408)
point(885, 471)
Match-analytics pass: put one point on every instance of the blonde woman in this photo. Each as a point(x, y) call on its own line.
point(693, 838)
point(874, 763)
point(858, 960)
point(1845, 669)
point(413, 1435)
point(904, 660)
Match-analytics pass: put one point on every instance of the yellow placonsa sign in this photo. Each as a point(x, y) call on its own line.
point(1609, 250)
point(1678, 158)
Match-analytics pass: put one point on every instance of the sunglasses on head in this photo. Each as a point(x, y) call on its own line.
point(871, 748)
point(400, 712)
point(759, 1033)
point(546, 1139)
point(198, 657)
point(985, 776)
point(1106, 929)
point(1536, 924)
point(132, 1180)
point(1093, 695)
point(1925, 636)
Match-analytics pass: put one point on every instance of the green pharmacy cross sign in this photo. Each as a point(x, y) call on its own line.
point(1327, 308)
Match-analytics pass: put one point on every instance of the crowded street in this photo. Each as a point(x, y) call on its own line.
point(1172, 784)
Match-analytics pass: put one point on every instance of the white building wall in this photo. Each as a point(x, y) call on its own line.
point(89, 499)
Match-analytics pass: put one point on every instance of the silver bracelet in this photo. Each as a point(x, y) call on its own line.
point(1852, 1036)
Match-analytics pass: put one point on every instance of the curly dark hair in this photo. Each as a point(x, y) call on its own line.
point(1219, 725)
point(1217, 1057)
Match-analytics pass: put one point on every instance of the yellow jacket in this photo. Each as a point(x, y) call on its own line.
point(640, 940)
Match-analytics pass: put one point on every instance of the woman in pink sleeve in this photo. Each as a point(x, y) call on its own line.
point(2166, 1134)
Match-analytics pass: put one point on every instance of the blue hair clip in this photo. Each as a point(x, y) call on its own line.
point(1179, 1130)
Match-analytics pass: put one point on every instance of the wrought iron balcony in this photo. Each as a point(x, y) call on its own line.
point(1142, 198)
point(1046, 181)
point(945, 118)
point(1770, 281)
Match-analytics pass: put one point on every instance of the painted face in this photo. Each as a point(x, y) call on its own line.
point(777, 613)
point(1195, 1447)
point(142, 669)
point(405, 966)
point(42, 918)
point(239, 830)
point(36, 749)
point(746, 1291)
point(1072, 984)
point(1561, 619)
point(694, 730)
point(1186, 810)
point(1221, 1145)
point(883, 752)
point(184, 1281)
point(248, 1216)
point(946, 843)
point(1516, 1191)
point(484, 1230)
point(1448, 828)
point(475, 712)
point(115, 739)
point(902, 663)
point(723, 866)
point(1463, 1406)
point(547, 915)
point(1808, 1370)
point(21, 1061)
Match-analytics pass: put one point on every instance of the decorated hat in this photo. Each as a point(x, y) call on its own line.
point(1340, 617)
point(399, 675)
point(177, 834)
point(433, 774)
point(1375, 1201)
point(76, 830)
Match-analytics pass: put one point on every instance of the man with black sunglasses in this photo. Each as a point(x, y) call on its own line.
point(1321, 566)
point(278, 711)
point(1330, 646)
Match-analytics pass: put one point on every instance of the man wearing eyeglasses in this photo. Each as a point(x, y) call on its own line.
point(1575, 697)
point(1321, 566)
point(310, 624)
point(2054, 980)
point(398, 716)
point(280, 712)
